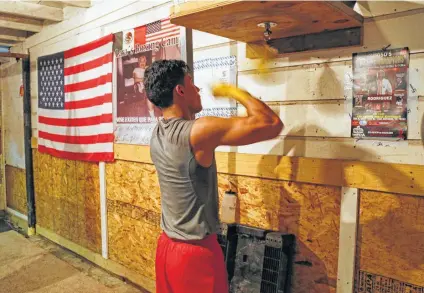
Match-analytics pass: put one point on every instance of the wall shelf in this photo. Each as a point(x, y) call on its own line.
point(238, 20)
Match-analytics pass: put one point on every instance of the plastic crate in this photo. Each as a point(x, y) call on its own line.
point(260, 261)
point(227, 239)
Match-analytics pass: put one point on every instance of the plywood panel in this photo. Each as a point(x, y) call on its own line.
point(133, 234)
point(400, 178)
point(238, 20)
point(67, 199)
point(391, 237)
point(311, 212)
point(16, 197)
point(133, 183)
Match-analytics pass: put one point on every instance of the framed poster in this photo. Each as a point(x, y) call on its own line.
point(380, 92)
point(135, 50)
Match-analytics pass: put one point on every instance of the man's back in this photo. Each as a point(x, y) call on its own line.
point(189, 192)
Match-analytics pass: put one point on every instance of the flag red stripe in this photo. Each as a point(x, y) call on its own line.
point(162, 36)
point(88, 47)
point(91, 157)
point(79, 86)
point(88, 139)
point(107, 98)
point(162, 33)
point(89, 65)
point(95, 120)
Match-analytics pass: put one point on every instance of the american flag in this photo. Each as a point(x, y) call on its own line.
point(161, 29)
point(75, 102)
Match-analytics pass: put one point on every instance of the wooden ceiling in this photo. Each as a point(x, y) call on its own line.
point(21, 19)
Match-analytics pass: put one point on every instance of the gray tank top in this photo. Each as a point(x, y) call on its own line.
point(189, 192)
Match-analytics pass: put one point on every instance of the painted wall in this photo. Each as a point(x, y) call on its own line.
point(310, 91)
point(13, 193)
point(11, 79)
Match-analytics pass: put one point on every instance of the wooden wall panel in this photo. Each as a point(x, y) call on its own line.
point(390, 241)
point(67, 199)
point(309, 211)
point(133, 215)
point(16, 197)
point(133, 183)
point(133, 234)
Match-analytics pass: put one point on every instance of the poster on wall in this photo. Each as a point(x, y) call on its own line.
point(135, 50)
point(380, 92)
point(208, 72)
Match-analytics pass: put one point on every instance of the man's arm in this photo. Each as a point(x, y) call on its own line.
point(260, 124)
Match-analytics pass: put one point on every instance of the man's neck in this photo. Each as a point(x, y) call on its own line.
point(177, 112)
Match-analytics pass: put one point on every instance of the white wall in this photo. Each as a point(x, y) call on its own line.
point(13, 122)
point(310, 90)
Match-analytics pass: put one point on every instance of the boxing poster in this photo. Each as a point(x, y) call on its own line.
point(380, 92)
point(134, 51)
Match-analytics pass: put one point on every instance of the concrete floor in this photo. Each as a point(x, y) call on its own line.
point(37, 265)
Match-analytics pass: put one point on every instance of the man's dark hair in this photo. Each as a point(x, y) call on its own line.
point(161, 78)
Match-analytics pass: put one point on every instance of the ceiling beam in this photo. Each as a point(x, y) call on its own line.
point(32, 10)
point(76, 3)
point(19, 23)
point(13, 55)
point(5, 44)
point(12, 38)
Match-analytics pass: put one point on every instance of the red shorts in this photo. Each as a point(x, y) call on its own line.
point(190, 266)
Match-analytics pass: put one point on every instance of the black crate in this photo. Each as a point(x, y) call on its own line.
point(258, 261)
point(227, 239)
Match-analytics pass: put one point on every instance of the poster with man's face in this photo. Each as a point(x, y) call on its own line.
point(135, 50)
point(380, 94)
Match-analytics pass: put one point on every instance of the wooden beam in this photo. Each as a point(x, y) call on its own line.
point(31, 10)
point(76, 3)
point(397, 178)
point(320, 41)
point(12, 38)
point(13, 55)
point(6, 44)
point(19, 23)
point(347, 239)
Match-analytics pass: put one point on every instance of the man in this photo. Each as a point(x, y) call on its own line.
point(188, 257)
point(383, 84)
point(138, 75)
point(400, 83)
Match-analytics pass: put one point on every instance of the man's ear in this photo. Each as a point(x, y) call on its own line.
point(179, 89)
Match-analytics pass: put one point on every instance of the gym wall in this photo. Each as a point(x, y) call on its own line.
point(292, 184)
